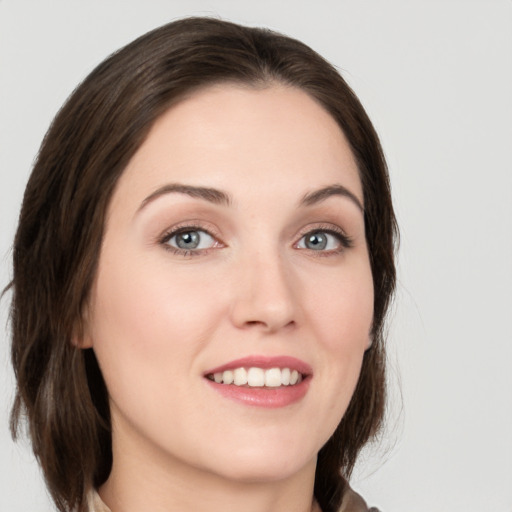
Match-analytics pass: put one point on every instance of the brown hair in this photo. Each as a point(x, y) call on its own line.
point(60, 389)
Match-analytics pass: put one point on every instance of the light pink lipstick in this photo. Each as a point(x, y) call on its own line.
point(263, 396)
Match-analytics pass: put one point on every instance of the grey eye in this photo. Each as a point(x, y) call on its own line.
point(188, 240)
point(316, 241)
point(192, 239)
point(322, 240)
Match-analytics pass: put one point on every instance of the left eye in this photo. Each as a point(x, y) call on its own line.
point(192, 239)
point(320, 241)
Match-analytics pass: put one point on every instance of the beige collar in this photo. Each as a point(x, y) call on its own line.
point(352, 502)
point(96, 504)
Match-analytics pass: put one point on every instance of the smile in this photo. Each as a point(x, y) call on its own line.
point(255, 377)
point(268, 382)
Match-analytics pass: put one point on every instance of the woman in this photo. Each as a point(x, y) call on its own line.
point(202, 268)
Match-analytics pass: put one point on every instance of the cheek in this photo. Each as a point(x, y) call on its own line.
point(341, 313)
point(147, 328)
point(145, 319)
point(342, 309)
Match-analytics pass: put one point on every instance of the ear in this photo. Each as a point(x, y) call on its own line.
point(370, 338)
point(81, 337)
point(81, 340)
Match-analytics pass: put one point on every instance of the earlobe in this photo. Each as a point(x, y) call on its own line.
point(81, 342)
point(81, 337)
point(371, 336)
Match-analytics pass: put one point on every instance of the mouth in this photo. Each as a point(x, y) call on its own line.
point(262, 381)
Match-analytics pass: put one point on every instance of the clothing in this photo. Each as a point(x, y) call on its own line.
point(352, 502)
point(96, 504)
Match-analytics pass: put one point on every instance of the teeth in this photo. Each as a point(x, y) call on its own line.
point(240, 375)
point(273, 377)
point(258, 377)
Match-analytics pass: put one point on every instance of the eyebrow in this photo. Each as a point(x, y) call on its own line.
point(219, 197)
point(322, 194)
point(211, 195)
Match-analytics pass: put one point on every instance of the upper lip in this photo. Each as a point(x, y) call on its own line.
point(264, 362)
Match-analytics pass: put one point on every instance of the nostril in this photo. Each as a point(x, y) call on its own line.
point(267, 326)
point(254, 322)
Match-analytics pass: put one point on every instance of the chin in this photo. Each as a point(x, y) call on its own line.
point(270, 470)
point(258, 463)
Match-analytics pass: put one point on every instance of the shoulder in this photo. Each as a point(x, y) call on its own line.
point(353, 502)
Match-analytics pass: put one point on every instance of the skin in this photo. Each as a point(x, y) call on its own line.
point(159, 319)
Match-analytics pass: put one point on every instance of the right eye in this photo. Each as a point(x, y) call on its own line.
point(188, 240)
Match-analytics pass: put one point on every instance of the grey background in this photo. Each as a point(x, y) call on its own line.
point(436, 79)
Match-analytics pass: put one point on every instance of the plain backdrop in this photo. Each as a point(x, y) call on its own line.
point(436, 79)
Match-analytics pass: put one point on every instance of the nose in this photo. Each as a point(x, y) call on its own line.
point(264, 295)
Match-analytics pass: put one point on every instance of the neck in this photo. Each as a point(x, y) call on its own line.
point(140, 480)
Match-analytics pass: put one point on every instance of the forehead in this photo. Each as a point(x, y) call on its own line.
point(244, 138)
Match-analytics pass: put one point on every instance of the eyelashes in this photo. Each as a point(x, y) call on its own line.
point(195, 240)
point(190, 240)
point(325, 240)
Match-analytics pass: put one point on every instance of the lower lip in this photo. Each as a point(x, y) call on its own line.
point(271, 398)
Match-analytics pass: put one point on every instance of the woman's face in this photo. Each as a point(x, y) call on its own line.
point(234, 245)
